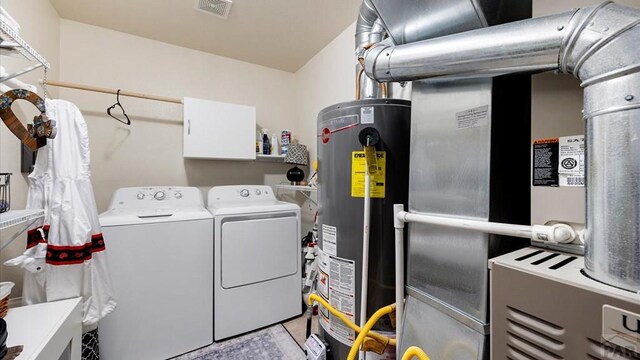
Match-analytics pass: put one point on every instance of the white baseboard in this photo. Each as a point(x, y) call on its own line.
point(15, 302)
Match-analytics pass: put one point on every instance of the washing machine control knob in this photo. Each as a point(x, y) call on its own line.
point(140, 196)
point(258, 192)
point(178, 195)
point(244, 193)
point(160, 195)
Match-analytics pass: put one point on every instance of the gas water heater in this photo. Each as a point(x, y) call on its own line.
point(341, 173)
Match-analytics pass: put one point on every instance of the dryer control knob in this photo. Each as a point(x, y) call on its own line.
point(178, 195)
point(160, 195)
point(258, 192)
point(244, 192)
point(140, 196)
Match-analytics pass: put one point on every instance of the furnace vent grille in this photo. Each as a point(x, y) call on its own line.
point(541, 257)
point(219, 8)
point(529, 337)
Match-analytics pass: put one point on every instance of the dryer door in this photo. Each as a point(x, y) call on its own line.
point(258, 248)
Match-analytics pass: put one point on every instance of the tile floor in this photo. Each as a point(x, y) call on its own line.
point(270, 343)
point(297, 327)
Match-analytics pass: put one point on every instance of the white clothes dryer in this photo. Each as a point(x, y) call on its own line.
point(257, 269)
point(160, 253)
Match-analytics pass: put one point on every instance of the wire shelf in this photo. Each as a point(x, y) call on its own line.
point(8, 35)
point(16, 217)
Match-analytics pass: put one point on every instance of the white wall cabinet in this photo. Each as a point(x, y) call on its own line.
point(216, 130)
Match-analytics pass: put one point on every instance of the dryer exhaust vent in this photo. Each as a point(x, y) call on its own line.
point(219, 8)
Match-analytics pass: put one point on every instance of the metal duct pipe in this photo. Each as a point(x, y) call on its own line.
point(366, 19)
point(529, 45)
point(369, 30)
point(597, 45)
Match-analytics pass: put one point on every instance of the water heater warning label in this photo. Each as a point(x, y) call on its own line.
point(358, 168)
point(559, 161)
point(329, 239)
point(336, 284)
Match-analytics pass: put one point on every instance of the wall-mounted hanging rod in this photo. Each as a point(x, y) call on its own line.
point(111, 91)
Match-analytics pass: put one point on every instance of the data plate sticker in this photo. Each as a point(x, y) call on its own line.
point(366, 115)
point(559, 161)
point(329, 239)
point(472, 118)
point(571, 161)
point(621, 327)
point(358, 169)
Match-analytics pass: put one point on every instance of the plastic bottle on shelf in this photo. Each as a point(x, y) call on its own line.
point(274, 145)
point(285, 140)
point(266, 144)
point(258, 142)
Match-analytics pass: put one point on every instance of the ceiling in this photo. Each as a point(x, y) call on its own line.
point(280, 34)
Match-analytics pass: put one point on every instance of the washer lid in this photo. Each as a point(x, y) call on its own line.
point(116, 217)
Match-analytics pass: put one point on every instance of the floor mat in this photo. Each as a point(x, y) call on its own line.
point(271, 343)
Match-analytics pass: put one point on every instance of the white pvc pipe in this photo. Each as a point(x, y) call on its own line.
point(365, 251)
point(399, 237)
point(561, 233)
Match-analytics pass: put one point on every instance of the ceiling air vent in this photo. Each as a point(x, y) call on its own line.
point(219, 8)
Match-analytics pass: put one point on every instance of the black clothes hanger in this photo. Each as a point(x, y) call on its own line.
point(128, 122)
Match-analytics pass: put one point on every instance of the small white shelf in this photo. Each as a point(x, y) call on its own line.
point(303, 189)
point(45, 330)
point(16, 217)
point(297, 187)
point(272, 158)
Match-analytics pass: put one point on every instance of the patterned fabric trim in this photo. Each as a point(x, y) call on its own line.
point(34, 236)
point(67, 255)
point(97, 243)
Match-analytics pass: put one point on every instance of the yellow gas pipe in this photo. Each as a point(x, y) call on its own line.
point(412, 351)
point(367, 327)
point(383, 339)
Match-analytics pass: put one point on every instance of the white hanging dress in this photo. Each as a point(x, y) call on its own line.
point(65, 252)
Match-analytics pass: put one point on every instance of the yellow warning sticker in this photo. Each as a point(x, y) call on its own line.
point(358, 168)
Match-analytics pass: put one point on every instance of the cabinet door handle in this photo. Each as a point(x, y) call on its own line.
point(188, 127)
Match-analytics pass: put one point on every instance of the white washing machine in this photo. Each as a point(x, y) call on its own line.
point(160, 254)
point(257, 272)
